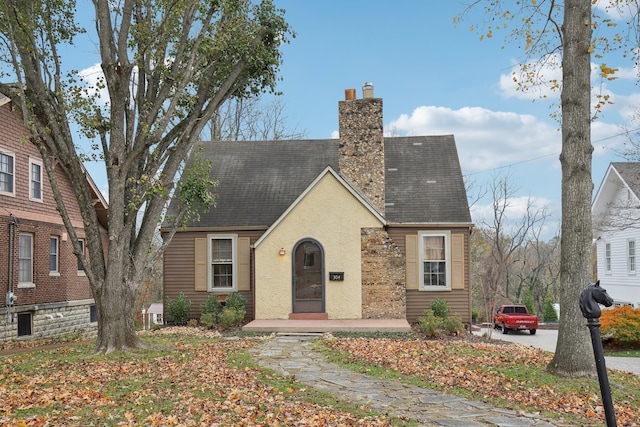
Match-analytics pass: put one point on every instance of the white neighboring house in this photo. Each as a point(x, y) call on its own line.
point(152, 315)
point(616, 230)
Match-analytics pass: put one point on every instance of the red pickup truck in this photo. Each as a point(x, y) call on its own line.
point(515, 317)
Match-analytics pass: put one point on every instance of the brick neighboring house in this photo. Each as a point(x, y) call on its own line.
point(360, 227)
point(37, 264)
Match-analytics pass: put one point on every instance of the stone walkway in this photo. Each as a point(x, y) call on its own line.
point(293, 355)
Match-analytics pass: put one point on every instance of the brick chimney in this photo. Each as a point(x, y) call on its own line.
point(361, 155)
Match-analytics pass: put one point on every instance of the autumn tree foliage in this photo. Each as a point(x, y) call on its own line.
point(165, 67)
point(621, 325)
point(568, 34)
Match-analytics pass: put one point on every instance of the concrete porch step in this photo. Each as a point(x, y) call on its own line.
point(344, 325)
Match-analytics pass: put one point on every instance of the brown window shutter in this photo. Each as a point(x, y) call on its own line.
point(457, 261)
point(201, 265)
point(411, 242)
point(244, 263)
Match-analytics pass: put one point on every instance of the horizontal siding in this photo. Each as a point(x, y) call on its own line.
point(419, 301)
point(179, 272)
point(459, 300)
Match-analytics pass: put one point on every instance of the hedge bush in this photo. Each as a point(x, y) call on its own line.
point(230, 314)
point(435, 321)
point(210, 311)
point(179, 309)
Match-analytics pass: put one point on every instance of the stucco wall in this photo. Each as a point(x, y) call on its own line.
point(332, 216)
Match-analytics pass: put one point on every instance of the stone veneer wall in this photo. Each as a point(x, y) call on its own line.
point(383, 276)
point(51, 320)
point(361, 152)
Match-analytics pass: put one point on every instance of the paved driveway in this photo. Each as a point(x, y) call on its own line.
point(546, 339)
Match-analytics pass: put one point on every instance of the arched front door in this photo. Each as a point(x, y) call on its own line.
point(308, 277)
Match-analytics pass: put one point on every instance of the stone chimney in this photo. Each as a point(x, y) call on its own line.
point(361, 156)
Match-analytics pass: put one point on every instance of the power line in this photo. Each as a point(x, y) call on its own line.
point(548, 155)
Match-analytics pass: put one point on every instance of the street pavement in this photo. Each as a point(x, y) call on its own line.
point(546, 339)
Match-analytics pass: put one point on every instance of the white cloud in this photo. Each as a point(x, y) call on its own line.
point(543, 87)
point(485, 139)
point(94, 79)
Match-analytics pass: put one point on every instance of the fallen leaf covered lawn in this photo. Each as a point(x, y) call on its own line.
point(192, 383)
point(510, 376)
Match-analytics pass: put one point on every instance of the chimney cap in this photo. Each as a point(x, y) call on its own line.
point(349, 94)
point(367, 90)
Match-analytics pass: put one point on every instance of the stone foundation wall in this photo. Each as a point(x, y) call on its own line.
point(50, 320)
point(383, 276)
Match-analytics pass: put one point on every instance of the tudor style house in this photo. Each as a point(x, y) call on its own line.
point(616, 230)
point(360, 227)
point(46, 292)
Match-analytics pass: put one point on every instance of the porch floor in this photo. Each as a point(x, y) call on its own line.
point(342, 325)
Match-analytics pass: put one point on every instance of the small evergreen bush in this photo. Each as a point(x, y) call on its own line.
point(179, 309)
point(235, 301)
point(440, 308)
point(231, 317)
point(435, 321)
point(430, 324)
point(209, 320)
point(453, 325)
point(211, 307)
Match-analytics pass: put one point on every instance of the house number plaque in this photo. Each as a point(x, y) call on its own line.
point(333, 275)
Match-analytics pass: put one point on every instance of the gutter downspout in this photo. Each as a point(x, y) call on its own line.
point(10, 283)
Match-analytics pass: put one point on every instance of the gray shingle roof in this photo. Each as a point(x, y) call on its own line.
point(259, 180)
point(630, 172)
point(424, 181)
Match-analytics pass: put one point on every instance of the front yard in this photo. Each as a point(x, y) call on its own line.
point(192, 378)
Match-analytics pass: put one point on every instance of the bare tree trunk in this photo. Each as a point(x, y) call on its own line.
point(574, 354)
point(115, 303)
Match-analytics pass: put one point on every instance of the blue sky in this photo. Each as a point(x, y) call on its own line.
point(438, 78)
point(434, 78)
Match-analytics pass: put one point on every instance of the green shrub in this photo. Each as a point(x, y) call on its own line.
point(475, 314)
point(235, 301)
point(453, 325)
point(430, 324)
point(440, 308)
point(209, 320)
point(211, 306)
point(231, 317)
point(548, 312)
point(179, 309)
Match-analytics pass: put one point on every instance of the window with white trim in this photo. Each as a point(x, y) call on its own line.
point(7, 173)
point(35, 180)
point(25, 259)
point(631, 256)
point(222, 271)
point(607, 257)
point(434, 248)
point(53, 254)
